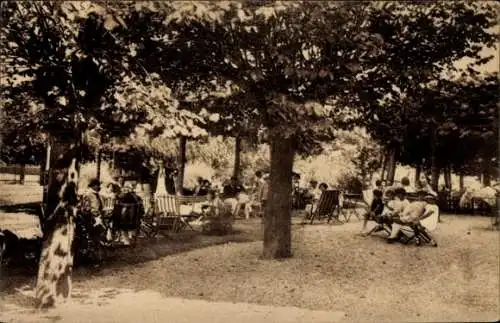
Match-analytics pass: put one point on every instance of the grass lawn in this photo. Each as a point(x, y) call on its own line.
point(332, 269)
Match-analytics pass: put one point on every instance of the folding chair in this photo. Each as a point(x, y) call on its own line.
point(350, 204)
point(108, 204)
point(327, 206)
point(421, 232)
point(168, 211)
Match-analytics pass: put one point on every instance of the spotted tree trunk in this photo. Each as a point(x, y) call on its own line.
point(53, 284)
point(277, 217)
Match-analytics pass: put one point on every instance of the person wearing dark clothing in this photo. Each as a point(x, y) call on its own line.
point(127, 214)
point(233, 189)
point(376, 207)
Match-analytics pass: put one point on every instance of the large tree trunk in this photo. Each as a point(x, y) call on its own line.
point(237, 157)
point(181, 164)
point(277, 216)
point(391, 172)
point(22, 173)
point(56, 263)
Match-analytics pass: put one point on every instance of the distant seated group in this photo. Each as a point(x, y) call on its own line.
point(391, 207)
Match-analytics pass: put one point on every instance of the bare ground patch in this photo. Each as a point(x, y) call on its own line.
point(333, 269)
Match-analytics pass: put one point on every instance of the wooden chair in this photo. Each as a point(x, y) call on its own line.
point(167, 210)
point(328, 205)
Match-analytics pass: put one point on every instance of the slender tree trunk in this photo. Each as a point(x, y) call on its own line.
point(22, 173)
point(391, 172)
point(486, 173)
point(461, 180)
point(384, 165)
point(99, 161)
point(53, 284)
point(435, 173)
point(447, 177)
point(181, 164)
point(113, 162)
point(418, 171)
point(237, 157)
point(277, 216)
point(435, 168)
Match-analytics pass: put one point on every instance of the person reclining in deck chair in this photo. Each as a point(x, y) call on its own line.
point(395, 203)
point(393, 208)
point(420, 215)
point(376, 209)
point(234, 194)
point(313, 195)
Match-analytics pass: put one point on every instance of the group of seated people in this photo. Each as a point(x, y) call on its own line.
point(391, 207)
point(125, 215)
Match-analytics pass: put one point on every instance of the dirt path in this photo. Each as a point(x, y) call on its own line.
point(333, 269)
point(112, 305)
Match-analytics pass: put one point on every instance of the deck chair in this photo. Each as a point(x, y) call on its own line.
point(108, 204)
point(421, 233)
point(170, 213)
point(328, 206)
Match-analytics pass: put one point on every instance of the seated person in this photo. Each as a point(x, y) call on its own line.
point(235, 196)
point(312, 195)
point(215, 215)
point(232, 189)
point(213, 207)
point(405, 182)
point(127, 214)
point(199, 188)
point(91, 212)
point(376, 208)
point(206, 186)
point(260, 196)
point(414, 214)
point(424, 186)
point(395, 203)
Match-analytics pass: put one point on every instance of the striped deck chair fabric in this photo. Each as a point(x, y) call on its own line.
point(173, 210)
point(108, 204)
point(328, 204)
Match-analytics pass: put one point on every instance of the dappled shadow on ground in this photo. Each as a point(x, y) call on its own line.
point(24, 273)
